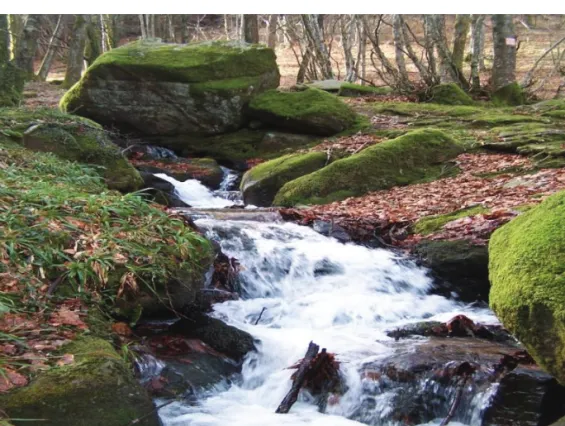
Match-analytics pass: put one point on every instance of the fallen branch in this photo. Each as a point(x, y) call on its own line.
point(299, 378)
point(260, 315)
point(465, 370)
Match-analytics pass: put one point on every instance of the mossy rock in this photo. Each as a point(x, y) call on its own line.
point(154, 88)
point(85, 144)
point(560, 422)
point(511, 95)
point(206, 170)
point(12, 81)
point(449, 94)
point(260, 184)
point(461, 266)
point(310, 111)
point(430, 224)
point(97, 389)
point(527, 273)
point(416, 156)
point(353, 90)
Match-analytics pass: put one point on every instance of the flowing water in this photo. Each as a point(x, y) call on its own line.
point(313, 288)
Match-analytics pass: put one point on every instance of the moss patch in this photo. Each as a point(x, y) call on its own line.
point(415, 156)
point(260, 184)
point(310, 111)
point(449, 94)
point(355, 90)
point(431, 224)
point(11, 85)
point(511, 94)
point(527, 273)
point(98, 388)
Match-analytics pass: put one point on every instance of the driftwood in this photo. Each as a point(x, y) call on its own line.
point(317, 372)
point(299, 378)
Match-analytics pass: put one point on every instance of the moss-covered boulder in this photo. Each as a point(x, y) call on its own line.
point(98, 388)
point(352, 90)
point(155, 88)
point(460, 266)
point(413, 157)
point(449, 94)
point(511, 95)
point(71, 138)
point(310, 111)
point(11, 85)
point(260, 184)
point(527, 274)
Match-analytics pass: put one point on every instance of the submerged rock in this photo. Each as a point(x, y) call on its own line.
point(154, 88)
point(260, 184)
point(528, 287)
point(460, 266)
point(310, 111)
point(96, 389)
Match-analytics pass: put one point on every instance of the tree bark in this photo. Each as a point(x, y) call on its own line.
point(272, 31)
point(429, 44)
point(94, 46)
point(16, 24)
point(397, 24)
point(143, 26)
point(449, 70)
point(27, 45)
point(4, 40)
point(477, 44)
point(504, 42)
point(75, 60)
point(250, 29)
point(314, 33)
point(347, 27)
point(51, 50)
point(462, 24)
point(362, 51)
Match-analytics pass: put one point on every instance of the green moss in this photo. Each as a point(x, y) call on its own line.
point(418, 109)
point(527, 273)
point(431, 224)
point(71, 138)
point(353, 90)
point(449, 94)
point(511, 94)
point(11, 85)
point(413, 157)
point(98, 388)
point(526, 138)
point(260, 184)
point(310, 111)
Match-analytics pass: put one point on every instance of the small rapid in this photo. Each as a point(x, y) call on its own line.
point(342, 296)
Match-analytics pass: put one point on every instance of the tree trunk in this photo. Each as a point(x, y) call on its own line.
point(449, 70)
point(347, 27)
point(171, 29)
point(51, 50)
point(250, 29)
point(397, 24)
point(151, 25)
point(272, 31)
point(362, 51)
point(94, 46)
point(462, 24)
point(27, 45)
point(477, 44)
point(184, 35)
point(142, 26)
point(304, 64)
point(16, 24)
point(4, 40)
point(504, 42)
point(429, 44)
point(75, 60)
point(314, 33)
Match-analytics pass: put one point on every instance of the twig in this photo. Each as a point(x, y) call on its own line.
point(261, 314)
point(157, 408)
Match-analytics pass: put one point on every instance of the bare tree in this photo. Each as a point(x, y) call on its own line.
point(147, 24)
point(504, 41)
point(250, 28)
point(272, 31)
point(314, 33)
point(362, 50)
point(143, 26)
point(75, 59)
point(94, 39)
point(528, 78)
point(16, 24)
point(477, 45)
point(348, 27)
point(397, 33)
point(51, 49)
point(4, 40)
point(462, 25)
point(27, 45)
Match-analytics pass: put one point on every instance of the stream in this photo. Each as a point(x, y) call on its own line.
point(341, 296)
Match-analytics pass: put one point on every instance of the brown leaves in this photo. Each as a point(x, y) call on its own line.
point(11, 379)
point(65, 316)
point(349, 144)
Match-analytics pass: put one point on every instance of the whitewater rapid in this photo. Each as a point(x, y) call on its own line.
point(341, 296)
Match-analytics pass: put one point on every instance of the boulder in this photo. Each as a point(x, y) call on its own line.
point(154, 88)
point(277, 142)
point(527, 275)
point(310, 111)
point(353, 90)
point(224, 338)
point(460, 267)
point(206, 170)
point(413, 157)
point(98, 388)
point(160, 190)
point(449, 94)
point(260, 184)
